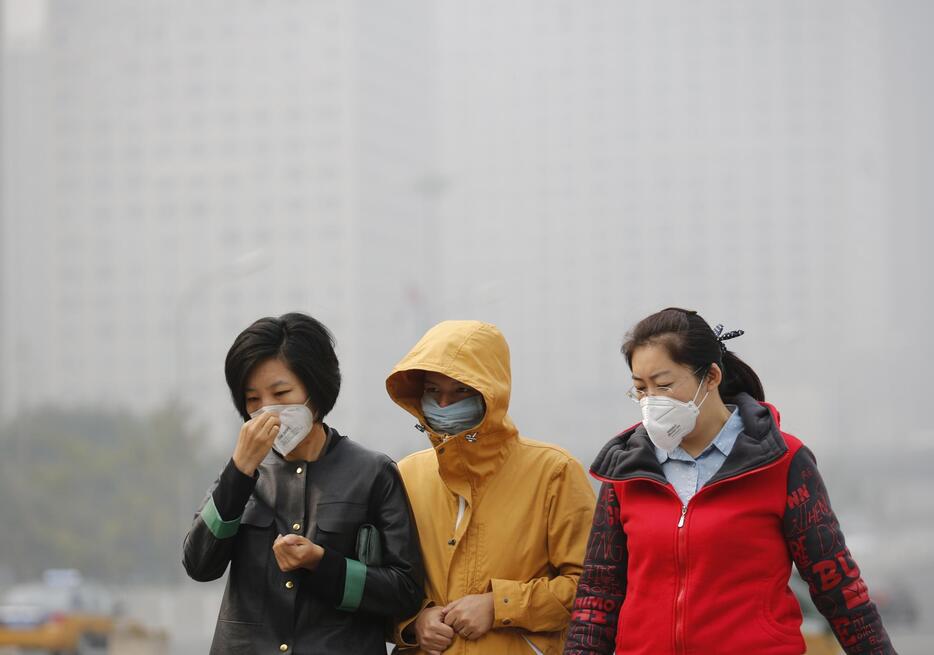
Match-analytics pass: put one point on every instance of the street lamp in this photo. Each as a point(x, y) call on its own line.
point(246, 264)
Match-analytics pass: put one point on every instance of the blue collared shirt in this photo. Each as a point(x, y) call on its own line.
point(687, 474)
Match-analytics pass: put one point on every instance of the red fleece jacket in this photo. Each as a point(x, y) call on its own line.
point(712, 576)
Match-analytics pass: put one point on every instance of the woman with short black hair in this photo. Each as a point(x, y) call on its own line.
point(316, 529)
point(704, 506)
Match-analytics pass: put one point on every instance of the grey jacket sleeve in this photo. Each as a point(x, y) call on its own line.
point(209, 543)
point(396, 587)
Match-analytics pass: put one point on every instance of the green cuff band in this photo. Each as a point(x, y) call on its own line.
point(354, 580)
point(219, 528)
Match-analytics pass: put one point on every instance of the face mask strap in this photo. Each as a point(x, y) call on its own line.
point(703, 380)
point(314, 416)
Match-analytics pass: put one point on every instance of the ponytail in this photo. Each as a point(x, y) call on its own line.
point(738, 377)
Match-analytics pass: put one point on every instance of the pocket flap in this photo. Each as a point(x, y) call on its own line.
point(257, 514)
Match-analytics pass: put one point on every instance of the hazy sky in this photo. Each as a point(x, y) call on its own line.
point(174, 170)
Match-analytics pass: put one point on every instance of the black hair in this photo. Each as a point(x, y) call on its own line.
point(302, 343)
point(690, 341)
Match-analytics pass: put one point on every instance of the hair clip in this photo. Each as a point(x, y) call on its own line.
point(721, 337)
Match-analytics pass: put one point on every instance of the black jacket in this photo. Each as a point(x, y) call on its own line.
point(342, 606)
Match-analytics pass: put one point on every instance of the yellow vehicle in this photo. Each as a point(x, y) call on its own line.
point(821, 643)
point(61, 615)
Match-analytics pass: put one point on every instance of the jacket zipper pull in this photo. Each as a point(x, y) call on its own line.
point(420, 427)
point(684, 510)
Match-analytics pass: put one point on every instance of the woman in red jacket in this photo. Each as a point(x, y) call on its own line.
point(703, 507)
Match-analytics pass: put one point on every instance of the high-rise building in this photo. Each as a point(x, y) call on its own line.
point(730, 158)
point(174, 170)
point(177, 170)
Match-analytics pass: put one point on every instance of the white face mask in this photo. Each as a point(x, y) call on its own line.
point(295, 422)
point(668, 420)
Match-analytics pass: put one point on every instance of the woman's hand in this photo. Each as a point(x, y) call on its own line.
point(256, 438)
point(471, 616)
point(432, 635)
point(295, 552)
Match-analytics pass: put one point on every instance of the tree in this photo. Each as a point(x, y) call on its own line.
point(110, 494)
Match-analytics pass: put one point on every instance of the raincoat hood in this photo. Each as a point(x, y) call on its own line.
point(471, 352)
point(476, 354)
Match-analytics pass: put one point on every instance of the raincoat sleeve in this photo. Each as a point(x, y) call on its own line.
point(819, 550)
point(602, 586)
point(543, 604)
point(209, 542)
point(400, 636)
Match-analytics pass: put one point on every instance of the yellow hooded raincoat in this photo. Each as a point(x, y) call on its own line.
point(495, 511)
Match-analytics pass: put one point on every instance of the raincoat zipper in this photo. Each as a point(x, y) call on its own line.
point(461, 508)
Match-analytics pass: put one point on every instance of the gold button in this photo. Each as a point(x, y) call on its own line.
point(451, 542)
point(296, 526)
point(289, 584)
point(505, 600)
point(299, 470)
point(284, 647)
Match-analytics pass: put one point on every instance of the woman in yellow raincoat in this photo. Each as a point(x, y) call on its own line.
point(503, 521)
